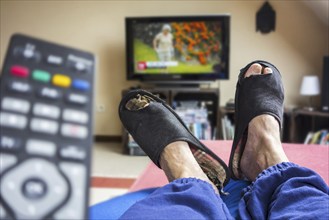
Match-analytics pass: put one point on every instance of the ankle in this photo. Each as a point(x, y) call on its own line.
point(263, 148)
point(177, 161)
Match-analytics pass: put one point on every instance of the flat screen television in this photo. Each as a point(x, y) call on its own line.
point(178, 49)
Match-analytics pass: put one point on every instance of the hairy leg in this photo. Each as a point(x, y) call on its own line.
point(177, 161)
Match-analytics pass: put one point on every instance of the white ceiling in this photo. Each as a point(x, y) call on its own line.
point(320, 9)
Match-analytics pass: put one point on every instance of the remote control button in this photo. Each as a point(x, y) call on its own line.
point(10, 143)
point(61, 80)
point(75, 116)
point(49, 93)
point(45, 110)
point(12, 120)
point(80, 66)
point(41, 76)
point(19, 71)
point(74, 208)
point(73, 152)
point(77, 99)
point(82, 85)
point(15, 105)
point(55, 60)
point(43, 148)
point(6, 161)
point(74, 131)
point(44, 126)
point(21, 87)
point(27, 52)
point(25, 206)
point(34, 188)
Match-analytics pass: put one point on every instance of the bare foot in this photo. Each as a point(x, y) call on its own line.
point(263, 148)
point(177, 161)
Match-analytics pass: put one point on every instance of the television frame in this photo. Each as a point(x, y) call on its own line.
point(180, 78)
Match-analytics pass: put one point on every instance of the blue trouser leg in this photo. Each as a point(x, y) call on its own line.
point(286, 191)
point(186, 198)
point(283, 191)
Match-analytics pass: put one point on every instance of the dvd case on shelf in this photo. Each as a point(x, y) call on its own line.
point(195, 116)
point(227, 128)
point(318, 137)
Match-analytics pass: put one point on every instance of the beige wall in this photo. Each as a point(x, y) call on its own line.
point(296, 47)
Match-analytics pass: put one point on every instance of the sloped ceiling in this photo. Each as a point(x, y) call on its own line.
point(320, 9)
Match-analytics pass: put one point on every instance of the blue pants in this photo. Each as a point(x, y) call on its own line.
point(283, 191)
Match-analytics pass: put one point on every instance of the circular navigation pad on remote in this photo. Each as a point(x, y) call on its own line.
point(33, 188)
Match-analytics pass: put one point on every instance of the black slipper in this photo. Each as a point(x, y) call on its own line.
point(254, 96)
point(153, 125)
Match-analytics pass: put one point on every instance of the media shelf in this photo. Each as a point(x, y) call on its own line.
point(199, 103)
point(227, 123)
point(297, 123)
point(305, 122)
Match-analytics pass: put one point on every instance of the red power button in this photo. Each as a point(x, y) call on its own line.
point(19, 71)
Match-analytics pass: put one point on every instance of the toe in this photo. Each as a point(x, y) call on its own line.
point(267, 70)
point(254, 69)
point(136, 104)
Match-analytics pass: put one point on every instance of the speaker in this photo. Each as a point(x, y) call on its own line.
point(325, 85)
point(265, 19)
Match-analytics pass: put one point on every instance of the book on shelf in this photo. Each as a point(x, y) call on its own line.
point(195, 116)
point(318, 137)
point(224, 129)
point(227, 128)
point(308, 137)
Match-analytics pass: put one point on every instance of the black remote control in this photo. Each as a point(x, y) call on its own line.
point(46, 130)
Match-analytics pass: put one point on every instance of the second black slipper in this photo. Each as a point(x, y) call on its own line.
point(254, 96)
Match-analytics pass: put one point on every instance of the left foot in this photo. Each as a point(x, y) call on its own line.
point(259, 101)
point(263, 148)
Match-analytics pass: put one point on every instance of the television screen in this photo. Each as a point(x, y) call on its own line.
point(178, 48)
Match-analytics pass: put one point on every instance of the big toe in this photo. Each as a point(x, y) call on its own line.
point(257, 69)
point(254, 69)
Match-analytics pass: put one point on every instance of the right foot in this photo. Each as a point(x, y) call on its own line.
point(263, 147)
point(164, 137)
point(177, 161)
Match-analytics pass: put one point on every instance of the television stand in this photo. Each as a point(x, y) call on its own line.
point(177, 84)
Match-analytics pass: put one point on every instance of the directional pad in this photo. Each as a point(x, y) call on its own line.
point(34, 188)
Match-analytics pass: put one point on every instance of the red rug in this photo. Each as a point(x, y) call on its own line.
point(315, 157)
